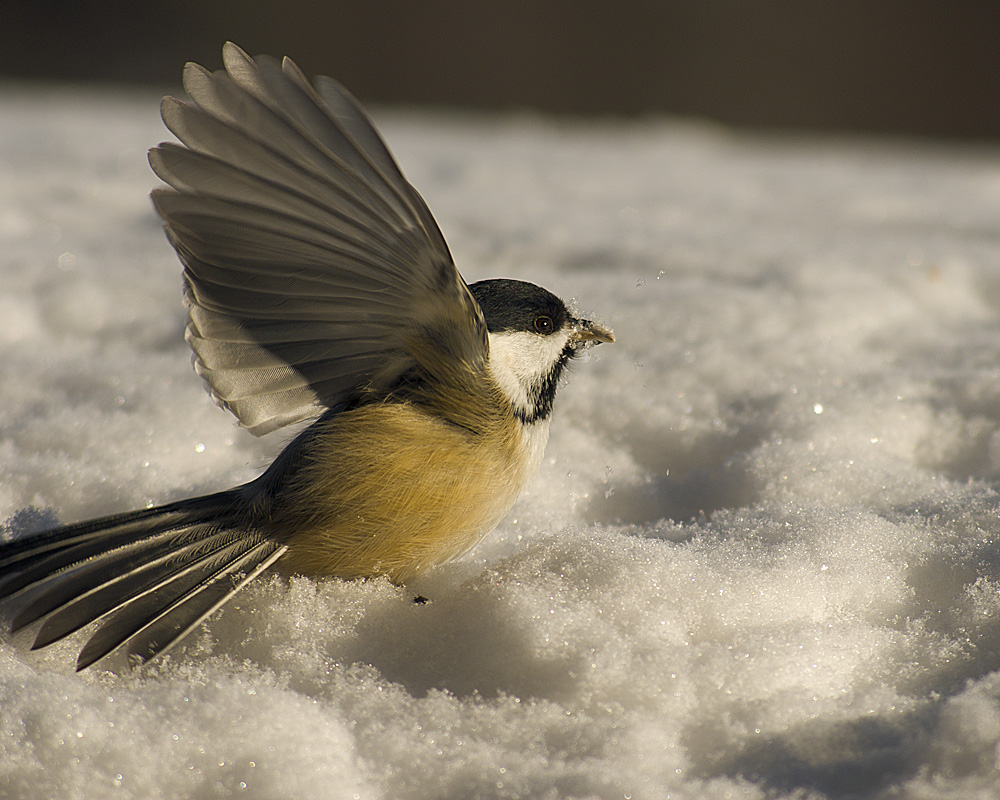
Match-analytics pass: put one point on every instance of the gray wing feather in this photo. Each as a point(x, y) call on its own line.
point(313, 269)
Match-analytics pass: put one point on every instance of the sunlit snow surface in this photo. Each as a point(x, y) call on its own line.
point(761, 558)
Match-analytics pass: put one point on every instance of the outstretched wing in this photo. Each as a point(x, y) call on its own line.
point(313, 269)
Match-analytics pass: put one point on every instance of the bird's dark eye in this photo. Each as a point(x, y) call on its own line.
point(544, 324)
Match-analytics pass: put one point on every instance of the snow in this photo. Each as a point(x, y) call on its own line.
point(761, 557)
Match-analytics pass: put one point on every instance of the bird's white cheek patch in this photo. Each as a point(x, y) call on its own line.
point(520, 360)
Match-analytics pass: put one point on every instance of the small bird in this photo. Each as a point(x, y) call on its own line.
point(317, 285)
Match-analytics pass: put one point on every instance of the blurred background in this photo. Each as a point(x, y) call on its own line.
point(923, 67)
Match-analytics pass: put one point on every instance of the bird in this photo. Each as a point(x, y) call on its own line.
point(319, 287)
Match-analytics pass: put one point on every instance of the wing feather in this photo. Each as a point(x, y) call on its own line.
point(313, 269)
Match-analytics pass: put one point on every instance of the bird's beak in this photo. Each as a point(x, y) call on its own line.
point(587, 332)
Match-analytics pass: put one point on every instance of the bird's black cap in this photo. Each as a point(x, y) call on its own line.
point(510, 305)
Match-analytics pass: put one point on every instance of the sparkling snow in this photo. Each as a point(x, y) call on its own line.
point(761, 559)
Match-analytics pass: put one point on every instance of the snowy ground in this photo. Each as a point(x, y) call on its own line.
point(762, 558)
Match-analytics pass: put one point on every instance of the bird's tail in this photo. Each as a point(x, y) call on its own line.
point(156, 573)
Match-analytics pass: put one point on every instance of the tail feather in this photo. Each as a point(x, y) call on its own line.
point(69, 600)
point(158, 572)
point(27, 561)
point(155, 622)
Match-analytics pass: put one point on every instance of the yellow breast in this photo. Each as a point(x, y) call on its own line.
point(389, 489)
